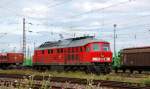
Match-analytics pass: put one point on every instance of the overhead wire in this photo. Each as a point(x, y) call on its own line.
point(137, 18)
point(50, 6)
point(60, 3)
point(102, 9)
point(92, 11)
point(133, 26)
point(14, 11)
point(6, 3)
point(96, 9)
point(109, 7)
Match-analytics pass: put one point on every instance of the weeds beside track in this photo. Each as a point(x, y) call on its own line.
point(57, 82)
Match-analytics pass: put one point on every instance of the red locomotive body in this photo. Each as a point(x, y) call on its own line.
point(85, 53)
point(8, 59)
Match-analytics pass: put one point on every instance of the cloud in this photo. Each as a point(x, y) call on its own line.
point(66, 19)
point(89, 5)
point(37, 11)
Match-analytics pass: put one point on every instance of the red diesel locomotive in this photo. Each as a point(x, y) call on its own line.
point(10, 59)
point(81, 53)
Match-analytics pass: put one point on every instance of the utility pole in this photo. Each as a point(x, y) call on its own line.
point(24, 39)
point(34, 45)
point(28, 54)
point(115, 39)
point(74, 35)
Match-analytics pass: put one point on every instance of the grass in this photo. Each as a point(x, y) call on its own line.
point(146, 81)
point(27, 84)
point(137, 78)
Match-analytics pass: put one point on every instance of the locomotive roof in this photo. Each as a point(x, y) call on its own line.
point(71, 42)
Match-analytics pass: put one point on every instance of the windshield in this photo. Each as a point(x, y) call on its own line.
point(105, 47)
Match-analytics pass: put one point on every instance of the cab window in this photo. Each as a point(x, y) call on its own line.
point(61, 50)
point(80, 49)
point(49, 51)
point(96, 47)
point(42, 51)
point(87, 49)
point(105, 47)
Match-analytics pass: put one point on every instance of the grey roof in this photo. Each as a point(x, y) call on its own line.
point(71, 42)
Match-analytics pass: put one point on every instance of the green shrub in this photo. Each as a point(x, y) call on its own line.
point(146, 81)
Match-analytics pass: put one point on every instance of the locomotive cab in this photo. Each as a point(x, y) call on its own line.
point(99, 52)
point(99, 55)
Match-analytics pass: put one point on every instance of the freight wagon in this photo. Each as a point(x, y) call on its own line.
point(81, 53)
point(10, 59)
point(137, 58)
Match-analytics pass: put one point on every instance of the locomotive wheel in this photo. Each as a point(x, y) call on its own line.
point(140, 71)
point(82, 68)
point(123, 70)
point(131, 71)
point(88, 69)
point(107, 69)
point(35, 67)
point(116, 70)
point(97, 70)
point(74, 68)
point(67, 68)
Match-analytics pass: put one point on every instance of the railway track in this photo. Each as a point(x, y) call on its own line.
point(36, 82)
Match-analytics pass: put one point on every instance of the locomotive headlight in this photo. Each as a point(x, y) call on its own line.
point(108, 59)
point(101, 59)
point(95, 59)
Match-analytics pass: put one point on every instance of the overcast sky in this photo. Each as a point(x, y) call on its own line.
point(49, 18)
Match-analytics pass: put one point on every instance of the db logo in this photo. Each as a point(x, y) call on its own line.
point(102, 55)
